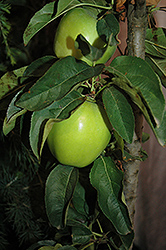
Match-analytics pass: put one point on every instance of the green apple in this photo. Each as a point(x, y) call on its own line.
point(79, 140)
point(75, 22)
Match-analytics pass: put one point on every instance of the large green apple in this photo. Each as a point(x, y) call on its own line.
point(78, 140)
point(75, 22)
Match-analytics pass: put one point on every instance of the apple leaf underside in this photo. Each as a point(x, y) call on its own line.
point(60, 186)
point(81, 235)
point(79, 223)
point(155, 43)
point(158, 65)
point(79, 200)
point(155, 48)
point(109, 26)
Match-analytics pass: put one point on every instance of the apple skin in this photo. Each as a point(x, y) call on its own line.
point(79, 140)
point(75, 22)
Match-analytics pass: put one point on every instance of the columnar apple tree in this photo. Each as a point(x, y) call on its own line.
point(84, 110)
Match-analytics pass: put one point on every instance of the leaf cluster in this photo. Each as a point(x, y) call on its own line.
point(54, 96)
point(75, 210)
point(156, 57)
point(84, 206)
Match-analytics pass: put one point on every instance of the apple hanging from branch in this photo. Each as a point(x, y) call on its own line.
point(80, 139)
point(80, 21)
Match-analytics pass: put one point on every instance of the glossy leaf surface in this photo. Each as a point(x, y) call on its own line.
point(119, 112)
point(134, 71)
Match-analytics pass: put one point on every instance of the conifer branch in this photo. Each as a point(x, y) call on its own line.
point(5, 29)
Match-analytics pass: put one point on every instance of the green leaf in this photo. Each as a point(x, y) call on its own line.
point(157, 36)
point(68, 248)
point(81, 234)
point(38, 67)
point(58, 109)
point(12, 109)
point(60, 186)
point(158, 65)
point(90, 52)
point(46, 15)
point(74, 218)
point(119, 112)
point(108, 27)
point(119, 142)
point(134, 71)
point(161, 131)
point(8, 126)
point(129, 158)
point(10, 80)
point(154, 50)
point(57, 82)
point(145, 137)
point(46, 248)
point(12, 114)
point(66, 5)
point(126, 241)
point(155, 42)
point(57, 246)
point(137, 98)
point(41, 243)
point(79, 201)
point(78, 221)
point(107, 179)
point(39, 21)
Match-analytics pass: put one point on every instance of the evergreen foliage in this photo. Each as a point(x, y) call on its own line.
point(5, 29)
point(84, 206)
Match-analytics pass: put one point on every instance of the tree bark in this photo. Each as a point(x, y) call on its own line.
point(137, 22)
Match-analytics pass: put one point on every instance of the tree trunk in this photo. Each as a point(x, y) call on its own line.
point(137, 22)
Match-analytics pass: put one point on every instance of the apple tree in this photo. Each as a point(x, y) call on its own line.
point(82, 109)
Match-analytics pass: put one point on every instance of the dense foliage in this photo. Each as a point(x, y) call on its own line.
point(45, 204)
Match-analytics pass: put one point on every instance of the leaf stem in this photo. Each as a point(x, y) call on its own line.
point(90, 244)
point(98, 222)
point(86, 4)
point(97, 234)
